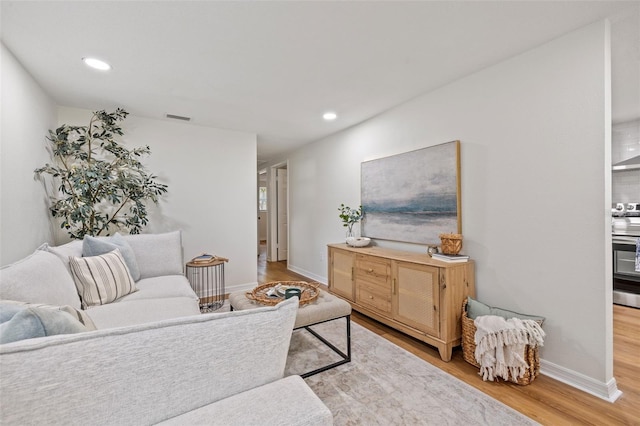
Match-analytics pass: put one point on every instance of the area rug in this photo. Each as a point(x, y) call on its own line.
point(386, 385)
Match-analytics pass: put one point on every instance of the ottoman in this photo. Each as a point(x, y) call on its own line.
point(326, 307)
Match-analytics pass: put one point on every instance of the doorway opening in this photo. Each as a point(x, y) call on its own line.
point(263, 216)
point(278, 213)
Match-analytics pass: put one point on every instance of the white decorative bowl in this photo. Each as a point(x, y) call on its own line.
point(358, 241)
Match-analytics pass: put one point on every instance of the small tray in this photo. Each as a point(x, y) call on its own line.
point(261, 293)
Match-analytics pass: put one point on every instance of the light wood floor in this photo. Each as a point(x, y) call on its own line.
point(547, 401)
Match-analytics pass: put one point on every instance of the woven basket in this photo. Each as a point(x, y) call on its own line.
point(531, 355)
point(310, 292)
point(451, 243)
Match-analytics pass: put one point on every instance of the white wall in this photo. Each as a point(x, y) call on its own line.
point(535, 148)
point(212, 188)
point(210, 173)
point(27, 114)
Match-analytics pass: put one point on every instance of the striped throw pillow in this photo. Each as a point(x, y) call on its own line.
point(101, 279)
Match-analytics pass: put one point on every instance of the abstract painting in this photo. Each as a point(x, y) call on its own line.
point(412, 197)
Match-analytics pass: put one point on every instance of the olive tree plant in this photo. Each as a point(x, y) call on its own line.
point(100, 185)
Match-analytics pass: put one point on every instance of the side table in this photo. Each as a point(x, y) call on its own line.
point(207, 280)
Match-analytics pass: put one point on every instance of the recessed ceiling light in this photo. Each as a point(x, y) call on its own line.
point(97, 64)
point(330, 116)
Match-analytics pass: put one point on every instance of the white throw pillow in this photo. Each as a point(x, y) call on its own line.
point(39, 278)
point(72, 248)
point(101, 279)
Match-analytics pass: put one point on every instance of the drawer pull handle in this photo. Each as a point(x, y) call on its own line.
point(370, 297)
point(370, 270)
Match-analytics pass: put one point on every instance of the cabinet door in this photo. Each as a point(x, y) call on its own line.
point(341, 273)
point(416, 296)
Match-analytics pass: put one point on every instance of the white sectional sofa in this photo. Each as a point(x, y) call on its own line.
point(145, 357)
point(163, 291)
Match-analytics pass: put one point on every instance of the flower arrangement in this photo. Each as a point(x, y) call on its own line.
point(349, 217)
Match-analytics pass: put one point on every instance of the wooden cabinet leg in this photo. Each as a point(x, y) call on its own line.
point(445, 351)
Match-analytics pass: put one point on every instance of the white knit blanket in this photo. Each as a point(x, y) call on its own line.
point(500, 345)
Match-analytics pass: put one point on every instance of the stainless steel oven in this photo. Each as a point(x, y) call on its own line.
point(626, 280)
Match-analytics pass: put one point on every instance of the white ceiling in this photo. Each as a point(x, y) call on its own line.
point(273, 68)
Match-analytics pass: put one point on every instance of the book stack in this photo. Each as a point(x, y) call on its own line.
point(450, 257)
point(203, 258)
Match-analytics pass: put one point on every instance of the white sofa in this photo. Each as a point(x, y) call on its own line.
point(147, 357)
point(163, 291)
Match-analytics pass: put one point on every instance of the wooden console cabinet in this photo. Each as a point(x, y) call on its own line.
point(410, 292)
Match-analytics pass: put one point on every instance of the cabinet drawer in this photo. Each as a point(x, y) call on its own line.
point(374, 296)
point(375, 271)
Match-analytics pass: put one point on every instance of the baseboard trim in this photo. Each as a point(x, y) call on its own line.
point(308, 274)
point(240, 287)
point(608, 391)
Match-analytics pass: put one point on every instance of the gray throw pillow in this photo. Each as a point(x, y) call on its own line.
point(22, 322)
point(157, 254)
point(95, 246)
point(476, 309)
point(79, 314)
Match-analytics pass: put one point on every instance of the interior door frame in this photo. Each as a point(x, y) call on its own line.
point(259, 183)
point(272, 210)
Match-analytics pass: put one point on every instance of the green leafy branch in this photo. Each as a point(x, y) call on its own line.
point(349, 216)
point(100, 183)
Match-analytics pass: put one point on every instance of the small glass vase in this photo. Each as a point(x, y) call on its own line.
point(353, 238)
point(349, 233)
point(352, 230)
